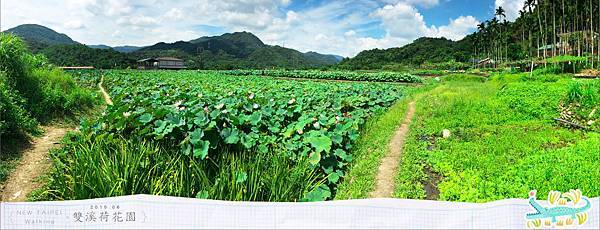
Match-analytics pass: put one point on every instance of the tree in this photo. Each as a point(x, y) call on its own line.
point(501, 14)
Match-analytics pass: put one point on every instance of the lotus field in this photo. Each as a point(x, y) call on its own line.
point(208, 116)
point(331, 75)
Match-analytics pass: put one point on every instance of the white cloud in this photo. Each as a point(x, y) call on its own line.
point(457, 29)
point(73, 25)
point(137, 21)
point(338, 27)
point(108, 7)
point(401, 20)
point(254, 14)
point(174, 14)
point(350, 33)
point(511, 7)
point(403, 23)
point(423, 3)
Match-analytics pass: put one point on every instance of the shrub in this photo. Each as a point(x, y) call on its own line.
point(584, 93)
point(33, 90)
point(14, 119)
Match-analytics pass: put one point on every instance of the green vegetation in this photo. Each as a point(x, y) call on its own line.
point(504, 139)
point(543, 29)
point(38, 37)
point(215, 126)
point(422, 50)
point(31, 92)
point(81, 55)
point(93, 166)
point(240, 50)
point(331, 75)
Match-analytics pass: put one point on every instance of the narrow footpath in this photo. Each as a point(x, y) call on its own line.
point(385, 185)
point(35, 160)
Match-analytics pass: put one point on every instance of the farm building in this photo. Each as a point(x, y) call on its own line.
point(484, 63)
point(161, 63)
point(572, 43)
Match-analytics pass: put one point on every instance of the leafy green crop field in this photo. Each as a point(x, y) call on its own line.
point(400, 77)
point(214, 126)
point(230, 136)
point(504, 141)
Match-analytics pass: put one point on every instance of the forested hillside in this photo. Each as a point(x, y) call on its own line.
point(236, 50)
point(239, 50)
point(422, 50)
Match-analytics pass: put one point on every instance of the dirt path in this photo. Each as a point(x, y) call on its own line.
point(384, 188)
point(34, 163)
point(104, 93)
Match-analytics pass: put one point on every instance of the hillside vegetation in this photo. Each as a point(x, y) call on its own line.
point(240, 50)
point(81, 55)
point(39, 37)
point(421, 51)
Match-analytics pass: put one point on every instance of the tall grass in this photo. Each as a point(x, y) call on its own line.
point(104, 166)
point(33, 90)
point(585, 93)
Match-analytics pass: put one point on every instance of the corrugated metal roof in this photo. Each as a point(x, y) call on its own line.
point(168, 59)
point(160, 59)
point(147, 59)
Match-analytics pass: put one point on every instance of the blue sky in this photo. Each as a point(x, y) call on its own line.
point(343, 27)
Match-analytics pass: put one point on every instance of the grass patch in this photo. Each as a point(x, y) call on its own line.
point(503, 143)
point(105, 166)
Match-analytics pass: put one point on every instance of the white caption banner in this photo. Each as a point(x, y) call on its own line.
point(144, 211)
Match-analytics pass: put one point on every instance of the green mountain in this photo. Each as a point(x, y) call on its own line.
point(422, 50)
point(236, 50)
point(127, 49)
point(61, 50)
point(102, 47)
point(38, 37)
point(122, 49)
point(227, 51)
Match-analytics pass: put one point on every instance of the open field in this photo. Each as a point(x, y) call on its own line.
point(504, 140)
point(219, 127)
point(262, 135)
point(193, 130)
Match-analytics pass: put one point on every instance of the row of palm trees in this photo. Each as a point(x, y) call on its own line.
point(544, 28)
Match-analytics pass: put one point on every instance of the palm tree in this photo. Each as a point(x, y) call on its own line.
point(538, 11)
point(592, 30)
point(493, 24)
point(481, 30)
point(523, 24)
point(527, 7)
point(501, 14)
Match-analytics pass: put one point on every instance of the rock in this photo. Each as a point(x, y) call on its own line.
point(445, 133)
point(17, 194)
